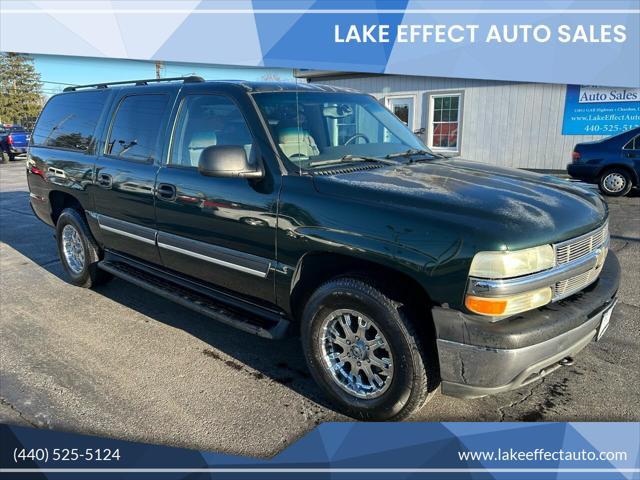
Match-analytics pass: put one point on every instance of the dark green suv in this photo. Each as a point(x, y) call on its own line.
point(302, 209)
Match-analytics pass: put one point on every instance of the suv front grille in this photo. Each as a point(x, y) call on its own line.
point(574, 249)
point(579, 247)
point(571, 285)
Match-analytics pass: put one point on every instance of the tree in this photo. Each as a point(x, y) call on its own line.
point(20, 89)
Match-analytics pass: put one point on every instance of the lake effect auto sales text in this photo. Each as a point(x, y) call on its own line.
point(440, 33)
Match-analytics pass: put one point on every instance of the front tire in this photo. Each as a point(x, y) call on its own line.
point(363, 351)
point(615, 182)
point(78, 251)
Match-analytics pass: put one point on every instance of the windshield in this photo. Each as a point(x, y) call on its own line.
point(318, 129)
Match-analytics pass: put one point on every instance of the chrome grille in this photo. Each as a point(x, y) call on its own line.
point(573, 250)
point(571, 285)
point(579, 247)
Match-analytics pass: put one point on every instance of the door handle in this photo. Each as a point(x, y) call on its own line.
point(105, 180)
point(166, 191)
point(254, 222)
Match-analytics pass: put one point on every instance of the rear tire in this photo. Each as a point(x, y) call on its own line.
point(615, 182)
point(343, 357)
point(78, 250)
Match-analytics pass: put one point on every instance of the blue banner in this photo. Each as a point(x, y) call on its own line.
point(348, 451)
point(537, 41)
point(591, 110)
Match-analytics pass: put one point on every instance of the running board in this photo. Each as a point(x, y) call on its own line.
point(198, 302)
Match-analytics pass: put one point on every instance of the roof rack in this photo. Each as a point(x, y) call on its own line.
point(188, 79)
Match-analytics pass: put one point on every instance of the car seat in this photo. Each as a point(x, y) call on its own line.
point(296, 142)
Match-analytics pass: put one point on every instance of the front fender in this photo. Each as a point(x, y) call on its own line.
point(437, 273)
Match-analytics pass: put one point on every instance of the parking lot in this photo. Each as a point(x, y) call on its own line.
point(123, 363)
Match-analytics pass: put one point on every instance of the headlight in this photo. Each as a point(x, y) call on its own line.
point(512, 264)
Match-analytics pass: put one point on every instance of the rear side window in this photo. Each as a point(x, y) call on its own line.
point(135, 131)
point(69, 121)
point(633, 144)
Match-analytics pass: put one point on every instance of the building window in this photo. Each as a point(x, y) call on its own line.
point(445, 121)
point(402, 107)
point(346, 127)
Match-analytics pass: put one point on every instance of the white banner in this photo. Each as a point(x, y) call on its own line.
point(589, 94)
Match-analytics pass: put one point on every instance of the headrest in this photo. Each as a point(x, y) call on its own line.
point(200, 140)
point(291, 135)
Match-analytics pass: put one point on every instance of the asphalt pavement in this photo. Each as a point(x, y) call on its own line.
point(123, 363)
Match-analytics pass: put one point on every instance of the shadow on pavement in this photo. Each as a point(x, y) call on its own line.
point(281, 361)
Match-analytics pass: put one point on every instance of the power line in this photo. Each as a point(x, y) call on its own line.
point(57, 83)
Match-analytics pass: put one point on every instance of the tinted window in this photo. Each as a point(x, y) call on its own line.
point(135, 131)
point(207, 120)
point(69, 121)
point(633, 144)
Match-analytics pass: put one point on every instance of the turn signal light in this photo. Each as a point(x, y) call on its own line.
point(486, 306)
point(513, 304)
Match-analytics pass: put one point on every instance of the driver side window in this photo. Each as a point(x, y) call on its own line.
point(204, 121)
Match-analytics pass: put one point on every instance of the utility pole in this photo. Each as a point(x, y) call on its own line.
point(159, 67)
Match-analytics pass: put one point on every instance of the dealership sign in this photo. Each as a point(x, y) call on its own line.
point(592, 110)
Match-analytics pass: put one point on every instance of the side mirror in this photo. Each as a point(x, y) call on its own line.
point(227, 161)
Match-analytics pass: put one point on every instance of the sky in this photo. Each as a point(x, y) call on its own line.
point(57, 72)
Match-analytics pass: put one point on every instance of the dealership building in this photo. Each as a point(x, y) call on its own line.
point(514, 124)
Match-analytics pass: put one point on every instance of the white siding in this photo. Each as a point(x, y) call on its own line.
point(504, 123)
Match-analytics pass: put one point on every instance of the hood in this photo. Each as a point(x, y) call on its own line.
point(522, 208)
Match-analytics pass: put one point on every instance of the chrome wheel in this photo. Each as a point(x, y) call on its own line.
point(614, 182)
point(356, 353)
point(73, 249)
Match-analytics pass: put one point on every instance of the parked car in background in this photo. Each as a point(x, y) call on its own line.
point(613, 163)
point(14, 140)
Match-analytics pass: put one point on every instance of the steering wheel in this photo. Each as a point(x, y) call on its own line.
point(356, 136)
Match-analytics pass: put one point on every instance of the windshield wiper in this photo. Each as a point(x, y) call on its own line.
point(361, 158)
point(353, 158)
point(413, 152)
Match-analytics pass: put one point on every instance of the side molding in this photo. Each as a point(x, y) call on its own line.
point(225, 257)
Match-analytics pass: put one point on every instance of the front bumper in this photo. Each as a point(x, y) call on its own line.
point(479, 358)
point(582, 171)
